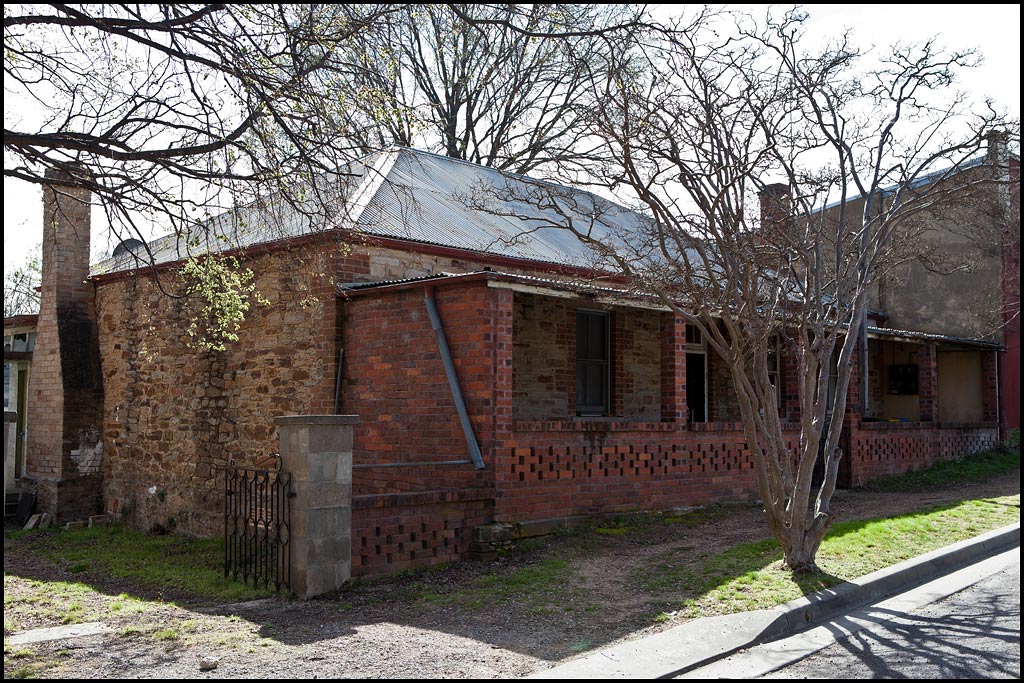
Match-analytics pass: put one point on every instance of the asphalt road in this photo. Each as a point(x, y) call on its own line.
point(971, 634)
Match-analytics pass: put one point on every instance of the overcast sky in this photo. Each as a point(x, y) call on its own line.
point(993, 29)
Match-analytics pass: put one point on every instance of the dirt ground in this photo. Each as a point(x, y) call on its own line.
point(533, 608)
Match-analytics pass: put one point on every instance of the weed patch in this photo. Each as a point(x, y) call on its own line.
point(974, 467)
point(165, 564)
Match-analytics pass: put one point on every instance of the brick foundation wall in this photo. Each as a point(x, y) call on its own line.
point(560, 469)
point(401, 531)
point(883, 449)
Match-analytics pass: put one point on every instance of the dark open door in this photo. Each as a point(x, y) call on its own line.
point(19, 439)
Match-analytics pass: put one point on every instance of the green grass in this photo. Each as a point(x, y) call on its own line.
point(166, 634)
point(975, 467)
point(750, 576)
point(58, 601)
point(165, 563)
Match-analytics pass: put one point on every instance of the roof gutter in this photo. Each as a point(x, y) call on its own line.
point(453, 378)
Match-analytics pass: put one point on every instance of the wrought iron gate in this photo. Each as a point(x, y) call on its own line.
point(257, 525)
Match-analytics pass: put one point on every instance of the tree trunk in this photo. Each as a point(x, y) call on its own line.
point(800, 547)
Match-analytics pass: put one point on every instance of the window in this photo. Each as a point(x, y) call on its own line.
point(903, 379)
point(694, 336)
point(696, 375)
point(592, 363)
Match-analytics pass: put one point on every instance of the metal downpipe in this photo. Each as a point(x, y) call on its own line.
point(453, 379)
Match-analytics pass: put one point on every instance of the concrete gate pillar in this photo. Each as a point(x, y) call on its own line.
point(317, 451)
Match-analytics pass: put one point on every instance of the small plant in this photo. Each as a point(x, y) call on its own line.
point(166, 634)
point(23, 672)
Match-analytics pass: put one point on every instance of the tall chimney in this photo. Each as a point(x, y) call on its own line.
point(776, 208)
point(65, 407)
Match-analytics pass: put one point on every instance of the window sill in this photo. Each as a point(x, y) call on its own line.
point(594, 424)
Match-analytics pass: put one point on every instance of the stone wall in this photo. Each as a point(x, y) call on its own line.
point(175, 414)
point(544, 359)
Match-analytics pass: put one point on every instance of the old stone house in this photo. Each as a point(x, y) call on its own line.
point(579, 397)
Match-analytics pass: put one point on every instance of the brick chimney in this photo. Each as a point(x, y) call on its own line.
point(65, 407)
point(776, 208)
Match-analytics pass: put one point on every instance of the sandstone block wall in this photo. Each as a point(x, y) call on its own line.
point(175, 414)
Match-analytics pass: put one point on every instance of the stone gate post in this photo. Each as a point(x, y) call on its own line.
point(317, 451)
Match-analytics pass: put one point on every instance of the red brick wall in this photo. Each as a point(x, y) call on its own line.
point(882, 449)
point(673, 368)
point(394, 379)
point(400, 531)
point(559, 469)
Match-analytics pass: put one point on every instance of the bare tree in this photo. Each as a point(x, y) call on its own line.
point(20, 295)
point(172, 113)
point(497, 85)
point(175, 115)
point(694, 127)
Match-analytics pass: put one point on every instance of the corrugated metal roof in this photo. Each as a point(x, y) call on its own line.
point(435, 199)
point(924, 180)
point(428, 198)
point(582, 287)
point(930, 336)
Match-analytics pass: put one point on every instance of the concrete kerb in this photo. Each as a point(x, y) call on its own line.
point(804, 612)
point(702, 641)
